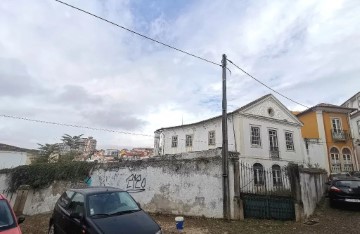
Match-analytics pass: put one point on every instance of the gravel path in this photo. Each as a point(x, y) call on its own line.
point(326, 220)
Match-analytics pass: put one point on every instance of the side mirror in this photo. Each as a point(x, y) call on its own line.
point(75, 215)
point(21, 219)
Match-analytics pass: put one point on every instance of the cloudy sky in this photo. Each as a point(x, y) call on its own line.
point(60, 65)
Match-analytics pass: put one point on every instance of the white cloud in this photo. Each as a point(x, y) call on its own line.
point(308, 50)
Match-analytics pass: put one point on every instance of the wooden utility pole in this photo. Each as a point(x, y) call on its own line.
point(225, 153)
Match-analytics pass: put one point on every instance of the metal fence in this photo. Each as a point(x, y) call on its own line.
point(255, 179)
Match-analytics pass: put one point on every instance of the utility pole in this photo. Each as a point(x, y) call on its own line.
point(225, 153)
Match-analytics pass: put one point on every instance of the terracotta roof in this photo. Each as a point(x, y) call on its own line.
point(326, 105)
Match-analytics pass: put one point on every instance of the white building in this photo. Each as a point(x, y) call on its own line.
point(11, 159)
point(263, 131)
point(354, 102)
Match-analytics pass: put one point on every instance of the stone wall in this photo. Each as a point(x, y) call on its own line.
point(313, 187)
point(186, 184)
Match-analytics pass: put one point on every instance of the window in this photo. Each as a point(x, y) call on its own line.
point(336, 125)
point(212, 138)
point(346, 156)
point(289, 141)
point(65, 199)
point(276, 173)
point(255, 136)
point(270, 112)
point(259, 177)
point(334, 154)
point(358, 125)
point(189, 140)
point(358, 99)
point(174, 141)
point(77, 204)
point(335, 160)
point(111, 203)
point(273, 140)
point(7, 220)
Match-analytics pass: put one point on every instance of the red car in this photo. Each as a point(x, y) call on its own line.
point(8, 222)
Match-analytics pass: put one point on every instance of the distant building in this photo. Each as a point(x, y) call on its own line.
point(12, 156)
point(87, 145)
point(354, 102)
point(327, 127)
point(111, 153)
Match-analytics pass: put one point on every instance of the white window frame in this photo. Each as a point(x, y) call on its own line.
point(189, 140)
point(346, 157)
point(275, 139)
point(335, 157)
point(338, 128)
point(358, 125)
point(289, 143)
point(259, 175)
point(174, 141)
point(211, 138)
point(252, 136)
point(358, 101)
point(276, 174)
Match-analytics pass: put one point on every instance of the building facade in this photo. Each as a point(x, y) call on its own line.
point(264, 132)
point(328, 127)
point(354, 102)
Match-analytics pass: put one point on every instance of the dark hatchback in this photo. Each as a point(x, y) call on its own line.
point(104, 210)
point(344, 190)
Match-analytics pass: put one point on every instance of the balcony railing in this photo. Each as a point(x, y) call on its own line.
point(339, 135)
point(274, 152)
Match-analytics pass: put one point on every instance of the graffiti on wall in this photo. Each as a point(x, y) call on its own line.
point(135, 183)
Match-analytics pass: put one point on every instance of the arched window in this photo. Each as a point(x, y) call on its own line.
point(335, 160)
point(346, 153)
point(259, 177)
point(276, 174)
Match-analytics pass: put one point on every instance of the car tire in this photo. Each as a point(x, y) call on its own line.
point(52, 229)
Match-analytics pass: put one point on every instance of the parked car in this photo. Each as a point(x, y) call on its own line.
point(333, 176)
point(344, 190)
point(355, 174)
point(103, 210)
point(8, 222)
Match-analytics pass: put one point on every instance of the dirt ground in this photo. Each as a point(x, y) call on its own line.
point(326, 220)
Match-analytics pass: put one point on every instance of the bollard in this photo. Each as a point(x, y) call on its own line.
point(179, 223)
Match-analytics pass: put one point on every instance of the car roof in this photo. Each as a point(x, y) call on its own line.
point(348, 178)
point(96, 189)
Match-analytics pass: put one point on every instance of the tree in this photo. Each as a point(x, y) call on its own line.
point(45, 151)
point(72, 141)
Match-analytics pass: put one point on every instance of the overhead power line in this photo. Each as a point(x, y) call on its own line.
point(139, 34)
point(87, 127)
point(262, 83)
point(74, 125)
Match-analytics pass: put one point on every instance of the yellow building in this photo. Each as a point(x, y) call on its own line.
point(330, 125)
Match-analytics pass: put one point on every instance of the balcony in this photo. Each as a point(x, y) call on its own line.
point(274, 153)
point(339, 135)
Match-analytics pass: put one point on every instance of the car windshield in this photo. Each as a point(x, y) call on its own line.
point(348, 183)
point(6, 218)
point(111, 203)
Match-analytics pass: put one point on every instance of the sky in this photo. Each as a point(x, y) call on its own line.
point(58, 64)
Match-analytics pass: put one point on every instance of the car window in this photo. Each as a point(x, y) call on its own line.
point(348, 183)
point(65, 199)
point(77, 204)
point(110, 203)
point(6, 218)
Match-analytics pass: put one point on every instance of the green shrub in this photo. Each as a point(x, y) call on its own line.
point(41, 175)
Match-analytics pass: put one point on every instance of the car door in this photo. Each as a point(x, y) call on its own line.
point(74, 225)
point(60, 211)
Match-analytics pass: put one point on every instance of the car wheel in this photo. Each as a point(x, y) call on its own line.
point(51, 229)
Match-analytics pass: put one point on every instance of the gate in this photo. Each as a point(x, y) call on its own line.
point(266, 192)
